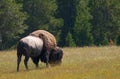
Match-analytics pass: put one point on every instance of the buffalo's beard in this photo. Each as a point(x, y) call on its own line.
point(56, 57)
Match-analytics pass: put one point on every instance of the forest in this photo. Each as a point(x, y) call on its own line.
point(74, 23)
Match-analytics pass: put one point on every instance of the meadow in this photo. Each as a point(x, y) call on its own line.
point(78, 63)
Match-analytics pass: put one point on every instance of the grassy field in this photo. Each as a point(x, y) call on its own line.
point(78, 63)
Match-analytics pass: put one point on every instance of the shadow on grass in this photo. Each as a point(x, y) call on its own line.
point(29, 70)
point(22, 70)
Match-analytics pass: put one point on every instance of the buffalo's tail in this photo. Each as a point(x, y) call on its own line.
point(19, 53)
point(20, 48)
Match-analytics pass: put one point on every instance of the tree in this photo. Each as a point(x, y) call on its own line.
point(11, 22)
point(82, 28)
point(118, 40)
point(42, 16)
point(66, 11)
point(106, 20)
point(69, 40)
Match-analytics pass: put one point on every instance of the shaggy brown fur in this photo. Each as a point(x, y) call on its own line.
point(56, 56)
point(48, 39)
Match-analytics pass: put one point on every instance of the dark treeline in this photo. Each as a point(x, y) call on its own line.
point(73, 22)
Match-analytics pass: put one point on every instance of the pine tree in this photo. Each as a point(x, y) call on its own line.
point(105, 20)
point(82, 28)
point(118, 40)
point(11, 22)
point(42, 16)
point(69, 40)
point(66, 11)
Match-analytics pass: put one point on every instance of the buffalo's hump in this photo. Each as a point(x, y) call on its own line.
point(48, 38)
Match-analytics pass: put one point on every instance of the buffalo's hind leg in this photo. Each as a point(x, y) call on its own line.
point(18, 60)
point(26, 61)
point(35, 61)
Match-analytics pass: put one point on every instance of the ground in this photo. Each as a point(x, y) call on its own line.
point(78, 63)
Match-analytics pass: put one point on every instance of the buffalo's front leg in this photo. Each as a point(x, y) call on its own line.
point(47, 59)
point(25, 61)
point(47, 63)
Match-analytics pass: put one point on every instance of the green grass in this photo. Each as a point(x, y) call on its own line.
point(78, 63)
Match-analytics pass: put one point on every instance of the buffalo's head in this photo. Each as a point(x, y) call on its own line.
point(56, 56)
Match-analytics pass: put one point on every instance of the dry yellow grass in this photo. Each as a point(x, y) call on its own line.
point(78, 63)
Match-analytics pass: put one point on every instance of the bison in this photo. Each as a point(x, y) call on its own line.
point(33, 47)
